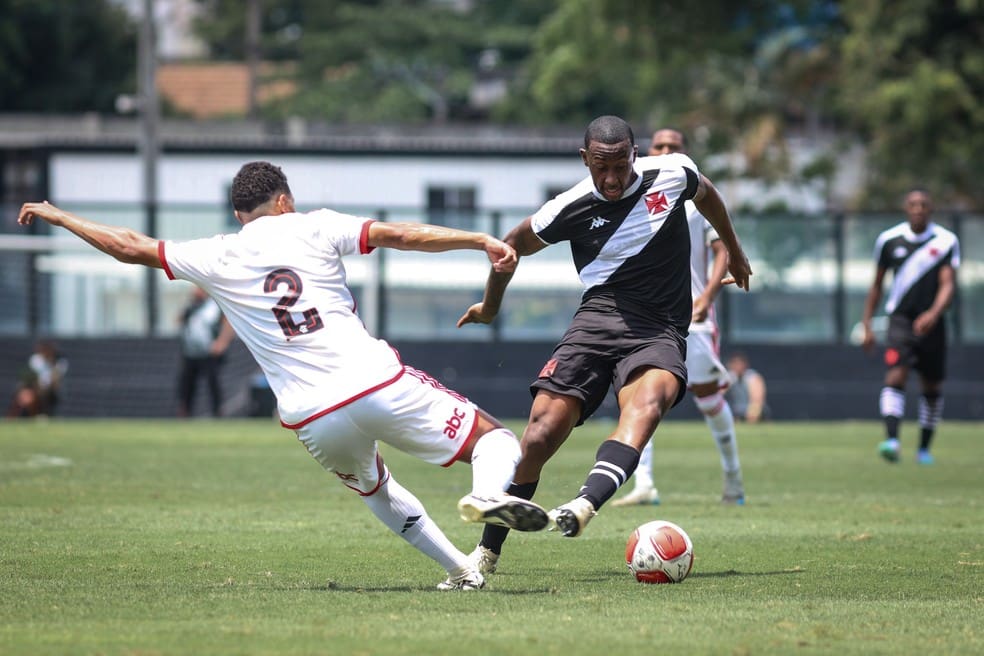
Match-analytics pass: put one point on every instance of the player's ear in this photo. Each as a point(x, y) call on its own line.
point(584, 156)
point(285, 203)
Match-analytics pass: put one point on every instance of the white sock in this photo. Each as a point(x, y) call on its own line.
point(644, 470)
point(717, 413)
point(404, 514)
point(494, 460)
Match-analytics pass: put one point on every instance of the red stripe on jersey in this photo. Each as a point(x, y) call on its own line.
point(163, 259)
point(364, 246)
point(345, 402)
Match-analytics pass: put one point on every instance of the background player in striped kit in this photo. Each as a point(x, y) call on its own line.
point(706, 374)
point(628, 234)
point(923, 258)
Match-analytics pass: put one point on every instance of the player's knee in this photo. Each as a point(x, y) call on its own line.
point(710, 405)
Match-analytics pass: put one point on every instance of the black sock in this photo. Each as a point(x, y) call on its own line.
point(892, 426)
point(926, 438)
point(494, 536)
point(615, 464)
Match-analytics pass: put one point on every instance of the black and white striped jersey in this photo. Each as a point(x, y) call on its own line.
point(635, 250)
point(915, 261)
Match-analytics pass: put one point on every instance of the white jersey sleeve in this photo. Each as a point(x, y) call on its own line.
point(281, 283)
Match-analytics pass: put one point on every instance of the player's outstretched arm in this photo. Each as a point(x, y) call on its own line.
point(126, 245)
point(437, 239)
point(711, 205)
point(870, 303)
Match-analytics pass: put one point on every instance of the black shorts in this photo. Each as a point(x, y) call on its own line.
point(601, 349)
point(926, 353)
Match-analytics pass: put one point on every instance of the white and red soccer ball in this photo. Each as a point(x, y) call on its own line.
point(659, 552)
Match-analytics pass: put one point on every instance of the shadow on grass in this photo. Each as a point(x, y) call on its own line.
point(389, 589)
point(733, 572)
point(607, 575)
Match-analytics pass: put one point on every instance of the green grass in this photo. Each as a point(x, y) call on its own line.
point(200, 537)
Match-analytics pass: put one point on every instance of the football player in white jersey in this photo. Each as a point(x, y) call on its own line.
point(707, 377)
point(923, 257)
point(281, 283)
point(627, 229)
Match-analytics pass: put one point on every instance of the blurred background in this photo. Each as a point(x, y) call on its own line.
point(812, 117)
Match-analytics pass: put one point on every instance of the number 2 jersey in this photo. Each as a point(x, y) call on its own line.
point(281, 283)
point(915, 261)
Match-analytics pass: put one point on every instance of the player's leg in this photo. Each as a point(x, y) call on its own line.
point(211, 365)
point(644, 490)
point(643, 401)
point(931, 365)
point(187, 384)
point(891, 400)
point(494, 452)
point(719, 418)
point(339, 442)
point(552, 418)
point(891, 405)
point(649, 378)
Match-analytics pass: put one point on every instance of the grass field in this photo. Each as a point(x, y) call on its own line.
point(204, 537)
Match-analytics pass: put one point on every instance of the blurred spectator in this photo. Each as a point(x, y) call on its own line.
point(205, 336)
point(747, 393)
point(37, 390)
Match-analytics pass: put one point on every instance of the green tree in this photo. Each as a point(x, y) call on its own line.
point(60, 56)
point(912, 81)
point(380, 60)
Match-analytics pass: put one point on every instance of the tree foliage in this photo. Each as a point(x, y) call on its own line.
point(60, 56)
point(912, 82)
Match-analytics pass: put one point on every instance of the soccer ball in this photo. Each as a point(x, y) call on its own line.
point(659, 552)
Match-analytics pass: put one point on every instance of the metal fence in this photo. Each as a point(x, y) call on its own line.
point(812, 273)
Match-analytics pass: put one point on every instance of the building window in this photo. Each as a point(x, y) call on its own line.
point(454, 207)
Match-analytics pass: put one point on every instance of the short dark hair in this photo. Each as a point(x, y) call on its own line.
point(255, 184)
point(608, 130)
point(683, 135)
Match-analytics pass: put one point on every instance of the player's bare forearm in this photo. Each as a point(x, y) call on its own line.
point(488, 308)
point(719, 267)
point(711, 205)
point(124, 244)
point(438, 239)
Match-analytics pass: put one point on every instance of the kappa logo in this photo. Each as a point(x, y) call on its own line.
point(597, 222)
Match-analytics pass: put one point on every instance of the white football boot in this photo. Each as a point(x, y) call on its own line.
point(463, 578)
point(640, 496)
point(505, 510)
point(571, 517)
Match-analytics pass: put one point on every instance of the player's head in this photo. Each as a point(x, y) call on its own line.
point(668, 140)
point(609, 152)
point(918, 207)
point(738, 363)
point(260, 189)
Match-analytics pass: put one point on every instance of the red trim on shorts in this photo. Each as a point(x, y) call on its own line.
point(364, 246)
point(382, 479)
point(468, 440)
point(358, 396)
point(163, 259)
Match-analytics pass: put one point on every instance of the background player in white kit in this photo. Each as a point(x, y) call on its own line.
point(707, 377)
point(281, 283)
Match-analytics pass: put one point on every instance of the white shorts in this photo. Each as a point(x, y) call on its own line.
point(703, 361)
point(414, 414)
